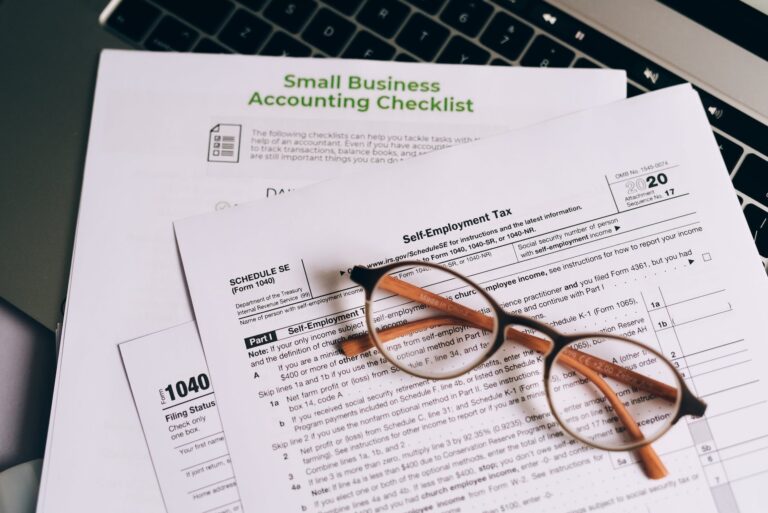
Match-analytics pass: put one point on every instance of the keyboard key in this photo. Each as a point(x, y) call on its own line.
point(545, 53)
point(422, 36)
point(757, 220)
point(752, 178)
point(367, 46)
point(730, 151)
point(253, 5)
point(290, 15)
point(383, 16)
point(205, 45)
point(581, 62)
point(328, 31)
point(650, 75)
point(171, 35)
point(132, 18)
point(431, 6)
point(633, 91)
point(516, 6)
point(245, 32)
point(284, 45)
point(461, 51)
point(506, 36)
point(404, 57)
point(207, 15)
point(607, 51)
point(345, 6)
point(468, 16)
point(734, 122)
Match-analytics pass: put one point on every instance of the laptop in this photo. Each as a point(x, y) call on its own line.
point(49, 55)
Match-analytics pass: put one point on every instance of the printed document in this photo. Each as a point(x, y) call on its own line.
point(177, 407)
point(175, 135)
point(621, 219)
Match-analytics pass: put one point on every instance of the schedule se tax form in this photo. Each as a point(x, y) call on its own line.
point(631, 227)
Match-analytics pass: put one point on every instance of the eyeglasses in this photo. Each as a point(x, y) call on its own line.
point(608, 391)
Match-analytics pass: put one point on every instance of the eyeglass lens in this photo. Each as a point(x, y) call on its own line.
point(430, 322)
point(612, 393)
point(606, 391)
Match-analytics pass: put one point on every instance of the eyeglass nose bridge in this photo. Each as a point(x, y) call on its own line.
point(508, 320)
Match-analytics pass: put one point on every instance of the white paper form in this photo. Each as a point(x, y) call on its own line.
point(620, 219)
point(151, 159)
point(176, 403)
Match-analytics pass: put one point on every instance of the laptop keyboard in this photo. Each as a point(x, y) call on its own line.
point(497, 32)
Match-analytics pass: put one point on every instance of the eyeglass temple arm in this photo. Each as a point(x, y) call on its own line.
point(355, 346)
point(652, 464)
point(358, 345)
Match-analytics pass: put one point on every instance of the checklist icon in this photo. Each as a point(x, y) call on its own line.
point(224, 143)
